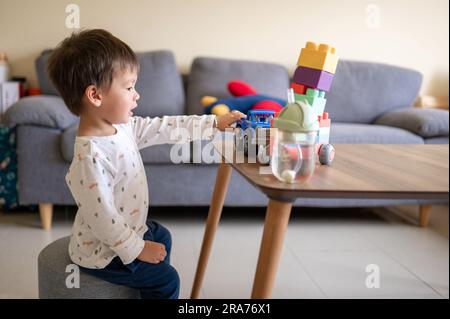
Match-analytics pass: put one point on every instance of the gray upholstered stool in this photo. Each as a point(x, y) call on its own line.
point(52, 275)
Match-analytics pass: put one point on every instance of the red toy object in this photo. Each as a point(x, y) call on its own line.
point(268, 105)
point(298, 88)
point(240, 88)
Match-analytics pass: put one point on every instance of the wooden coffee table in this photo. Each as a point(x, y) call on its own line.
point(358, 171)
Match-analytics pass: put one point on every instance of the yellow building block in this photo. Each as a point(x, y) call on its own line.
point(320, 57)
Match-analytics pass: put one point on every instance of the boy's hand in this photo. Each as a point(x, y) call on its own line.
point(153, 252)
point(224, 121)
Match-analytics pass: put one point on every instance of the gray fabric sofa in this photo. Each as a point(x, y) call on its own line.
point(368, 103)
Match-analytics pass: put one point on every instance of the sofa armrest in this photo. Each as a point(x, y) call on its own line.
point(43, 110)
point(423, 122)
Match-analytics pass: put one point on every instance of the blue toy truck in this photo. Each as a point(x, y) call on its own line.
point(250, 128)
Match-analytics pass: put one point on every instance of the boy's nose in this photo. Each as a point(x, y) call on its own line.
point(137, 96)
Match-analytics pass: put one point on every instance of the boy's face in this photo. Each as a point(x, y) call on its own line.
point(121, 98)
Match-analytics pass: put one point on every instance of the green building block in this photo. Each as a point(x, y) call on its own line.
point(315, 98)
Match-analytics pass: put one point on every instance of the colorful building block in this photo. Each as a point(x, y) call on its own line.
point(313, 78)
point(324, 129)
point(319, 57)
point(315, 98)
point(298, 88)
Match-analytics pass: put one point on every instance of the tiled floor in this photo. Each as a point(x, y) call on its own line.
point(326, 253)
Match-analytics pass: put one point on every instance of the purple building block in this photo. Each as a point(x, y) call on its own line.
point(316, 79)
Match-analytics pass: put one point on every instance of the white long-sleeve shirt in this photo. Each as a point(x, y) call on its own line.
point(108, 182)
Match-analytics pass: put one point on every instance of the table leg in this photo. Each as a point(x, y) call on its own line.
point(275, 225)
point(424, 214)
point(215, 210)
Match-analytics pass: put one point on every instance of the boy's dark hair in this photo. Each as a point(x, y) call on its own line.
point(89, 57)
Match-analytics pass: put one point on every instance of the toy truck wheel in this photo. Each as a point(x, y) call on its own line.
point(326, 154)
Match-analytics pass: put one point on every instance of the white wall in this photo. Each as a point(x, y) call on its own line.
point(409, 33)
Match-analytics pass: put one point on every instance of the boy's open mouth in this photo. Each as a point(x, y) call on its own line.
point(131, 113)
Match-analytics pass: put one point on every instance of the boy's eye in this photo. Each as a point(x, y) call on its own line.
point(130, 88)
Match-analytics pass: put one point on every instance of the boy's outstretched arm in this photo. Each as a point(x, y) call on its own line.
point(178, 129)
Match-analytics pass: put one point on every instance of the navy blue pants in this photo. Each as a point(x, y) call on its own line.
point(154, 281)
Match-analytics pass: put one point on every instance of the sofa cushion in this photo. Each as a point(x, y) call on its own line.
point(41, 110)
point(159, 84)
point(362, 91)
point(209, 76)
point(343, 133)
point(45, 83)
point(424, 122)
point(157, 154)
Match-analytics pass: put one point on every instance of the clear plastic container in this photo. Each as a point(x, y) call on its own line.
point(293, 156)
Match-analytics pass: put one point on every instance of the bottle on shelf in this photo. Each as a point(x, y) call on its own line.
point(4, 67)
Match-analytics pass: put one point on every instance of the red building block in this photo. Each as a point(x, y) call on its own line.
point(298, 88)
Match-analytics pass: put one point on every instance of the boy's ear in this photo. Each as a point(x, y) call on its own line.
point(94, 96)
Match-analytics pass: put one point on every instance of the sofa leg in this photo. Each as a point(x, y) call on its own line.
point(424, 214)
point(46, 212)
